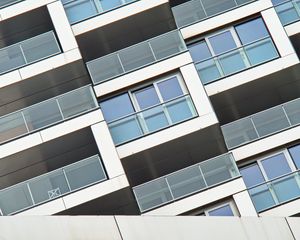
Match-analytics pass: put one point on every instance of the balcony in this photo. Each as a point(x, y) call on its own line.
point(47, 113)
point(28, 51)
point(185, 182)
point(51, 185)
point(237, 60)
point(152, 119)
point(199, 10)
point(262, 124)
point(6, 3)
point(288, 11)
point(78, 10)
point(275, 192)
point(136, 56)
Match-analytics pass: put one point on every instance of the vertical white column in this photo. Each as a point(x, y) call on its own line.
point(110, 158)
point(62, 26)
point(244, 204)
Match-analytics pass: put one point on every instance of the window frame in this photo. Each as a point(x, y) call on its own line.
point(229, 203)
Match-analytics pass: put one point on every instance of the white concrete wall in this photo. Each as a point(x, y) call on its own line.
point(148, 228)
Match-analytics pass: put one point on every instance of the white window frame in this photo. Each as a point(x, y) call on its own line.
point(231, 204)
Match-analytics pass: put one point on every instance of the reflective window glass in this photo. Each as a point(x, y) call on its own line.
point(116, 107)
point(222, 42)
point(276, 2)
point(252, 175)
point(251, 31)
point(221, 211)
point(146, 97)
point(170, 89)
point(295, 153)
point(199, 51)
point(276, 166)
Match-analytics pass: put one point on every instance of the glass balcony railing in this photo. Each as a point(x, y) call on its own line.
point(78, 10)
point(47, 113)
point(198, 10)
point(28, 51)
point(51, 185)
point(288, 10)
point(136, 56)
point(275, 192)
point(236, 60)
point(152, 119)
point(185, 182)
point(262, 124)
point(6, 3)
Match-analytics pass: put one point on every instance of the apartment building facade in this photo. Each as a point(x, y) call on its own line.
point(150, 107)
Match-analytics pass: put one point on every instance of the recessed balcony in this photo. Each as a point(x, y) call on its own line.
point(47, 113)
point(52, 185)
point(185, 182)
point(262, 124)
point(78, 10)
point(198, 10)
point(136, 56)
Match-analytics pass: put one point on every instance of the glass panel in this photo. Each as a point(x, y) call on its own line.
point(221, 211)
point(276, 166)
point(80, 9)
point(295, 153)
point(199, 51)
point(15, 199)
point(153, 119)
point(275, 2)
point(48, 186)
point(232, 62)
point(109, 4)
point(40, 47)
point(11, 126)
point(136, 56)
point(11, 58)
point(209, 71)
point(287, 188)
point(287, 13)
point(251, 31)
point(213, 7)
point(261, 51)
point(76, 102)
point(170, 89)
point(167, 45)
point(252, 175)
point(125, 129)
point(262, 197)
point(180, 109)
point(292, 110)
point(105, 68)
point(239, 132)
point(4, 3)
point(270, 121)
point(188, 12)
point(146, 97)
point(222, 42)
point(218, 169)
point(84, 173)
point(42, 114)
point(186, 181)
point(152, 194)
point(116, 107)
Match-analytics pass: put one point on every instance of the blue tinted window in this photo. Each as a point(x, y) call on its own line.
point(146, 97)
point(252, 31)
point(252, 175)
point(109, 4)
point(199, 51)
point(222, 211)
point(295, 153)
point(116, 107)
point(222, 42)
point(276, 2)
point(276, 166)
point(170, 89)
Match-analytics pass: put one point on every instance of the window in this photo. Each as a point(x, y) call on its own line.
point(273, 180)
point(288, 10)
point(232, 50)
point(295, 154)
point(148, 109)
point(224, 209)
